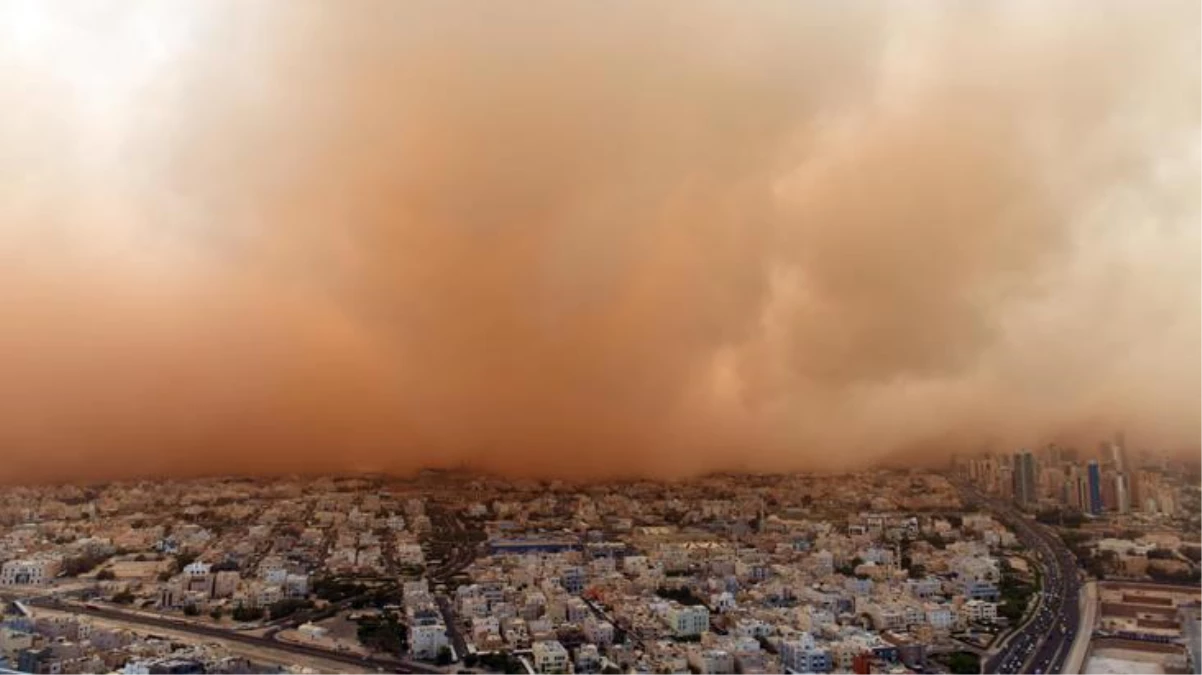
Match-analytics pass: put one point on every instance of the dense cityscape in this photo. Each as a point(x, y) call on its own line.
point(1049, 561)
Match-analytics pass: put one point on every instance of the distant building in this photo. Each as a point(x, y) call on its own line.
point(1024, 477)
point(534, 545)
point(1122, 493)
point(1095, 488)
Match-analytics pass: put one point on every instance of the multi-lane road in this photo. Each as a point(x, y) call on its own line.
point(378, 663)
point(1042, 644)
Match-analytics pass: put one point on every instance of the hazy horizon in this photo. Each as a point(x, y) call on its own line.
point(593, 239)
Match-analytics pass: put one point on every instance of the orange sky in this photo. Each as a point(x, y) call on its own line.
point(592, 238)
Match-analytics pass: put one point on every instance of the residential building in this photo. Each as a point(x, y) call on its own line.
point(550, 656)
point(425, 641)
point(688, 620)
point(802, 655)
point(29, 571)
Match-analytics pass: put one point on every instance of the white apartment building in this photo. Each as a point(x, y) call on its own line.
point(588, 659)
point(802, 655)
point(924, 588)
point(296, 585)
point(426, 641)
point(886, 618)
point(29, 571)
point(939, 617)
point(599, 632)
point(268, 595)
point(685, 621)
point(550, 656)
point(482, 626)
point(712, 661)
point(273, 575)
point(723, 602)
point(197, 569)
point(981, 611)
point(753, 628)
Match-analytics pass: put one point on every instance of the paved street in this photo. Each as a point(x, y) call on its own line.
point(1043, 643)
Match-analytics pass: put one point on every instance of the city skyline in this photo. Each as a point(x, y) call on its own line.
point(600, 338)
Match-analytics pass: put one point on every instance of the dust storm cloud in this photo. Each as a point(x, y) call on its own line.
point(578, 239)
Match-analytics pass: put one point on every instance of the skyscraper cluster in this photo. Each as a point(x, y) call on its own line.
point(1107, 483)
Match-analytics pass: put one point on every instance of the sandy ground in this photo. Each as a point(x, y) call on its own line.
point(1107, 661)
point(1089, 611)
point(135, 569)
point(327, 641)
point(342, 628)
point(1106, 665)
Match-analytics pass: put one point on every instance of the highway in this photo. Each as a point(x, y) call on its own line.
point(1043, 643)
point(378, 663)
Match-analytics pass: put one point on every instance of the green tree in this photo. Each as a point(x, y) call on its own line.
point(1071, 519)
point(105, 575)
point(444, 656)
point(684, 595)
point(216, 613)
point(191, 610)
point(287, 607)
point(76, 566)
point(335, 590)
point(383, 634)
point(964, 662)
point(184, 559)
point(1097, 567)
point(244, 613)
